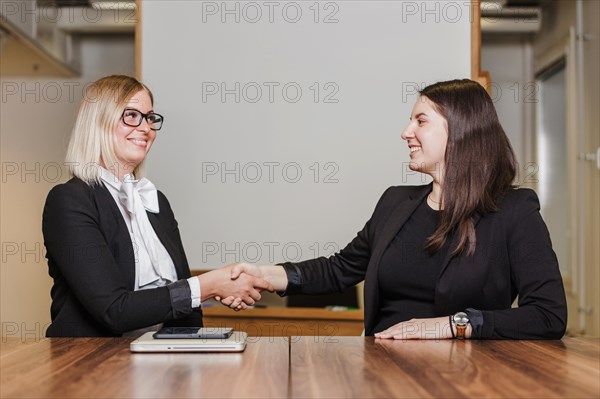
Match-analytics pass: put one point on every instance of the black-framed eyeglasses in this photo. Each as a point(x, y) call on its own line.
point(133, 117)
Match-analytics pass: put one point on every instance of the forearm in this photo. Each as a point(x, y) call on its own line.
point(276, 275)
point(525, 322)
point(138, 309)
point(209, 282)
point(321, 275)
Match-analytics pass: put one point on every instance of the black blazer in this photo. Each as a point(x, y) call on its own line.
point(513, 257)
point(91, 259)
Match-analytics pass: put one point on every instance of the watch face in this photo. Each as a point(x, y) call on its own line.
point(461, 318)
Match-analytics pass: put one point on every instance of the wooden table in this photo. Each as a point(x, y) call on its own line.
point(369, 368)
point(303, 367)
point(104, 368)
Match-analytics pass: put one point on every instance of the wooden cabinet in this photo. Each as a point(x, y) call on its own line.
point(283, 321)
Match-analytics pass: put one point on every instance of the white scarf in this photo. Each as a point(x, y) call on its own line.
point(153, 262)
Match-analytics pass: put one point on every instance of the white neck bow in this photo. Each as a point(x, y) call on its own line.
point(137, 197)
point(133, 192)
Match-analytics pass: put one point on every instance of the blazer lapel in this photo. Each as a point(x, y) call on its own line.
point(165, 239)
point(394, 223)
point(126, 256)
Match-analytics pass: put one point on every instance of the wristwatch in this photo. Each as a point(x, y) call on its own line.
point(460, 321)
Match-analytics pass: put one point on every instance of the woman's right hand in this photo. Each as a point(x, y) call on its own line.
point(275, 275)
point(236, 270)
point(219, 284)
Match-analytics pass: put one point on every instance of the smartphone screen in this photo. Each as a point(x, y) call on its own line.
point(193, 333)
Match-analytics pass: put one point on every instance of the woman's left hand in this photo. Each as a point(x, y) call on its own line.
point(434, 328)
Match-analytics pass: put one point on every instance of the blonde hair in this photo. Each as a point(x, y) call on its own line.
point(92, 143)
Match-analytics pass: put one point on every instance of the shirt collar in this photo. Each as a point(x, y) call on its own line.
point(109, 178)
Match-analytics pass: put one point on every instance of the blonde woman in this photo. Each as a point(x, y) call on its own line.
point(113, 245)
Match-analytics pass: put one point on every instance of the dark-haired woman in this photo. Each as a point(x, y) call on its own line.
point(446, 259)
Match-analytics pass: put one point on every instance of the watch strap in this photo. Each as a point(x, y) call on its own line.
point(451, 329)
point(460, 331)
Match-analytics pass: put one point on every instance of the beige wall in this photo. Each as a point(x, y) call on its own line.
point(36, 118)
point(28, 143)
point(549, 45)
point(508, 60)
point(557, 17)
point(591, 26)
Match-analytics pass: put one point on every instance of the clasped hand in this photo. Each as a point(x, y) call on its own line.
point(242, 286)
point(237, 285)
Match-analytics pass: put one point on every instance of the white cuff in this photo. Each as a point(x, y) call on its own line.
point(195, 290)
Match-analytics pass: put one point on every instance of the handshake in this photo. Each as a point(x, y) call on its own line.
point(239, 285)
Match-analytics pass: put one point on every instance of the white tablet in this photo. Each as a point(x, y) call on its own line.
point(146, 343)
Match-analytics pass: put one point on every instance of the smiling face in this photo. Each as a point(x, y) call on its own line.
point(133, 143)
point(427, 136)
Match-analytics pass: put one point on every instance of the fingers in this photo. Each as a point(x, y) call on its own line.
point(237, 303)
point(254, 294)
point(228, 301)
point(248, 300)
point(242, 287)
point(384, 335)
point(393, 332)
point(245, 289)
point(390, 335)
point(263, 284)
point(234, 303)
point(250, 296)
point(404, 330)
point(236, 270)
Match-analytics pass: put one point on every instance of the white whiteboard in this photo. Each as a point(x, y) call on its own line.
point(283, 119)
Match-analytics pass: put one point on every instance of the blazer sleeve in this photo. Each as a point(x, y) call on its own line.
point(79, 250)
point(542, 307)
point(337, 272)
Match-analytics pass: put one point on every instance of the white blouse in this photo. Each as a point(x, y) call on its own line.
point(153, 265)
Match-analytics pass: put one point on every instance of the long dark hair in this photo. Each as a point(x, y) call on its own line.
point(480, 164)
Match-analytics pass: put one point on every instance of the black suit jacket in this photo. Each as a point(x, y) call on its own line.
point(91, 259)
point(513, 257)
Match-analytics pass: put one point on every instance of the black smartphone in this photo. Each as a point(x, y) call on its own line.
point(193, 333)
